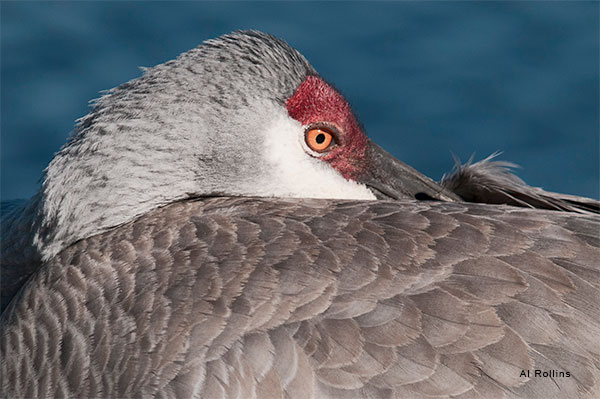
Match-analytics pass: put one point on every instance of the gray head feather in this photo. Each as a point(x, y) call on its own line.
point(152, 141)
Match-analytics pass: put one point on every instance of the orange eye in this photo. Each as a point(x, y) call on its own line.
point(318, 139)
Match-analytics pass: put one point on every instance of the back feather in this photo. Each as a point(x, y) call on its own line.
point(492, 182)
point(272, 298)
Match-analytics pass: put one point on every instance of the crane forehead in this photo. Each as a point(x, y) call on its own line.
point(316, 101)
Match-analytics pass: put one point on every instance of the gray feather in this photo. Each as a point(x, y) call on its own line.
point(136, 281)
point(492, 182)
point(115, 315)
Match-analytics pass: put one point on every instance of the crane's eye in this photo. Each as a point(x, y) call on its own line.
point(319, 139)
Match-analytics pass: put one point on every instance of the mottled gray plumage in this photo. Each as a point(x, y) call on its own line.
point(155, 262)
point(19, 257)
point(154, 140)
point(226, 298)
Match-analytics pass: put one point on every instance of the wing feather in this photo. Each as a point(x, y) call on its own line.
point(255, 298)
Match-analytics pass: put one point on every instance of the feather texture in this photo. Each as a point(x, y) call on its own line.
point(492, 182)
point(269, 298)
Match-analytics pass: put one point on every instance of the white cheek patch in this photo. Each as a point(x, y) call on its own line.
point(294, 173)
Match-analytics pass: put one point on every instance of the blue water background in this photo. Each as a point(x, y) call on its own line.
point(426, 78)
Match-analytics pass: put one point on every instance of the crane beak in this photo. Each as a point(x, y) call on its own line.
point(390, 178)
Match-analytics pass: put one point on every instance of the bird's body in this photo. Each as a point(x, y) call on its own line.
point(160, 264)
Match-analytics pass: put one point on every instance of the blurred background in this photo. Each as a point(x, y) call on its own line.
point(427, 79)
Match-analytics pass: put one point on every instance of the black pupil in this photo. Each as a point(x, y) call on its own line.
point(320, 138)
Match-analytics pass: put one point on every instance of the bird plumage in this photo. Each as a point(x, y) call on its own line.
point(226, 297)
point(157, 260)
point(491, 181)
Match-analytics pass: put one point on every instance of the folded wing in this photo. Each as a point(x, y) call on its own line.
point(318, 298)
